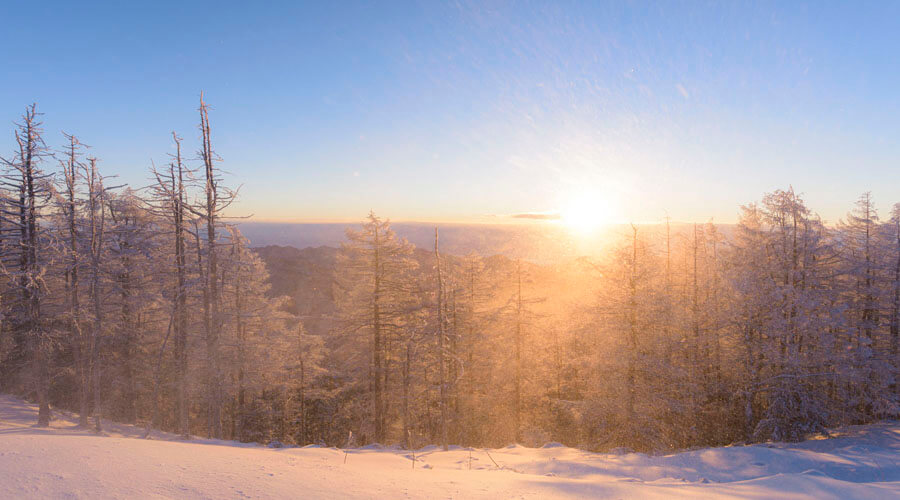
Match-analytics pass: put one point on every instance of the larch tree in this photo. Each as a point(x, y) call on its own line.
point(25, 178)
point(797, 334)
point(135, 290)
point(168, 204)
point(754, 293)
point(441, 336)
point(68, 202)
point(306, 369)
point(893, 232)
point(375, 296)
point(865, 283)
point(96, 229)
point(215, 199)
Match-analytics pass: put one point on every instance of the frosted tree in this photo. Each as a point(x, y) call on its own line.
point(518, 342)
point(754, 293)
point(96, 234)
point(627, 402)
point(893, 236)
point(68, 202)
point(215, 199)
point(860, 252)
point(442, 337)
point(865, 262)
point(375, 295)
point(515, 347)
point(24, 176)
point(705, 389)
point(486, 300)
point(307, 367)
point(799, 334)
point(134, 296)
point(259, 343)
point(167, 204)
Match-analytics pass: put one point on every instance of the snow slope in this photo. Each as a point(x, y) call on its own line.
point(66, 462)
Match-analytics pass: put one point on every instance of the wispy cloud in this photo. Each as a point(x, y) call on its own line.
point(536, 216)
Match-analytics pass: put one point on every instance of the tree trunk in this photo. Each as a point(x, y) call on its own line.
point(97, 214)
point(180, 321)
point(211, 299)
point(78, 344)
point(441, 333)
point(517, 398)
point(377, 340)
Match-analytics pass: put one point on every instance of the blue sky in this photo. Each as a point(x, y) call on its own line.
point(473, 111)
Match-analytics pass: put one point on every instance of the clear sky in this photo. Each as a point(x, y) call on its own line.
point(477, 110)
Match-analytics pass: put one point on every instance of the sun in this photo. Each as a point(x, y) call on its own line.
point(584, 213)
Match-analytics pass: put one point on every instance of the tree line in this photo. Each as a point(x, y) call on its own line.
point(775, 328)
point(148, 306)
point(140, 305)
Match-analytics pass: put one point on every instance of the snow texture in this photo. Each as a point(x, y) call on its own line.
point(67, 462)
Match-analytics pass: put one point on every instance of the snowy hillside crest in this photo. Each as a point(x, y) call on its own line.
point(856, 462)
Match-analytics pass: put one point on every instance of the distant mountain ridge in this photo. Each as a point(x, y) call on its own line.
point(538, 241)
point(301, 258)
point(512, 240)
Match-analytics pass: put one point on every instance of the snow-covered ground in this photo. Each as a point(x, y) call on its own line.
point(65, 462)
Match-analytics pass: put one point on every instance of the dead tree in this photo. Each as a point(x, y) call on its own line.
point(237, 250)
point(131, 235)
point(441, 335)
point(170, 201)
point(217, 199)
point(517, 397)
point(71, 167)
point(97, 221)
point(25, 177)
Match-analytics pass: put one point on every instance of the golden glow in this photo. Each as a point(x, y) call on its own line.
point(585, 212)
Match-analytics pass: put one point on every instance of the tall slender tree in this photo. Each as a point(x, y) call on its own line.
point(375, 296)
point(26, 178)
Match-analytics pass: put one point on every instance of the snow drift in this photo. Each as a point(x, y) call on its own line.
point(66, 462)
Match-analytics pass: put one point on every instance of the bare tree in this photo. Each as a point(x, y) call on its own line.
point(169, 194)
point(68, 203)
point(375, 298)
point(217, 199)
point(32, 185)
point(441, 336)
point(96, 205)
